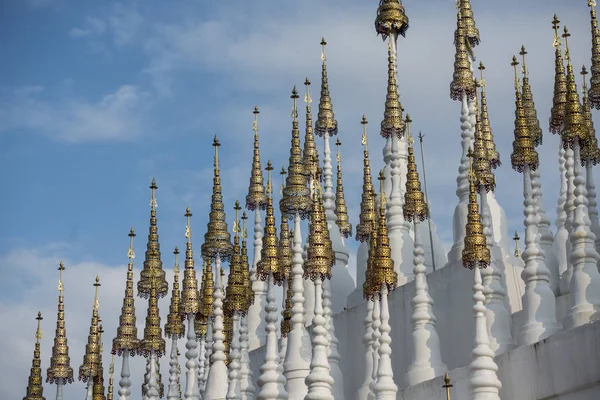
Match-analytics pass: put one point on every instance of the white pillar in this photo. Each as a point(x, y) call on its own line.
point(152, 393)
point(365, 389)
point(191, 387)
point(173, 390)
point(592, 203)
point(333, 353)
point(385, 387)
point(565, 284)
point(561, 238)
point(375, 342)
point(234, 389)
point(256, 318)
point(248, 391)
point(125, 382)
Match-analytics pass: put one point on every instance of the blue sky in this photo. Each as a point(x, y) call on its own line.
point(96, 98)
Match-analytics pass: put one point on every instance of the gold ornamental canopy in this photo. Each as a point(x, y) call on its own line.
point(594, 92)
point(285, 242)
point(153, 340)
point(485, 179)
point(559, 99)
point(486, 129)
point(415, 207)
point(91, 359)
point(367, 205)
point(236, 293)
point(326, 123)
point(590, 152)
point(391, 18)
point(310, 155)
point(174, 328)
point(246, 266)
point(256, 198)
point(462, 80)
point(470, 30)
point(35, 390)
point(190, 296)
point(533, 122)
point(392, 122)
point(341, 209)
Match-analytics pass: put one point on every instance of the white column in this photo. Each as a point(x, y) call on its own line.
point(561, 238)
point(216, 384)
point(565, 284)
point(375, 339)
point(365, 390)
point(201, 366)
point(296, 365)
point(248, 391)
point(427, 360)
point(592, 203)
point(191, 387)
point(208, 352)
point(270, 383)
point(539, 303)
point(333, 353)
point(256, 324)
point(385, 388)
point(152, 393)
point(319, 380)
point(125, 382)
point(584, 293)
point(309, 293)
point(90, 388)
point(59, 388)
point(173, 391)
point(483, 379)
point(234, 390)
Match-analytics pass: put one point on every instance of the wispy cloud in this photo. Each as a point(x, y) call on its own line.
point(121, 24)
point(92, 27)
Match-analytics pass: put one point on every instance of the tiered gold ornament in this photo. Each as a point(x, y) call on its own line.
point(296, 195)
point(127, 333)
point(341, 210)
point(91, 362)
point(590, 152)
point(594, 91)
point(246, 266)
point(256, 199)
point(524, 153)
point(319, 255)
point(206, 305)
point(475, 252)
point(481, 164)
point(153, 340)
point(227, 322)
point(415, 207)
point(285, 242)
point(310, 155)
point(35, 390)
point(382, 265)
point(217, 240)
point(236, 293)
point(559, 101)
point(286, 321)
point(111, 382)
point(391, 18)
point(326, 123)
point(392, 115)
point(369, 290)
point(98, 380)
point(533, 123)
point(60, 369)
point(486, 129)
point(367, 204)
point(153, 264)
point(269, 254)
point(174, 328)
point(462, 79)
point(190, 301)
point(470, 30)
point(575, 126)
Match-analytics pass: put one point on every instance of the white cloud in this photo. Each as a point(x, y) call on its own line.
point(125, 23)
point(92, 27)
point(120, 115)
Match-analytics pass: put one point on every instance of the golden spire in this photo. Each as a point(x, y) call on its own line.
point(481, 164)
point(368, 289)
point(153, 340)
point(516, 238)
point(153, 264)
point(367, 205)
point(111, 371)
point(475, 251)
point(60, 369)
point(91, 359)
point(470, 30)
point(286, 324)
point(392, 115)
point(256, 192)
point(559, 101)
point(383, 266)
point(319, 255)
point(206, 309)
point(127, 333)
point(296, 195)
point(341, 210)
point(326, 123)
point(391, 18)
point(528, 104)
point(462, 82)
point(285, 242)
point(575, 126)
point(524, 153)
point(310, 155)
point(246, 267)
point(217, 239)
point(174, 326)
point(98, 380)
point(189, 293)
point(447, 385)
point(35, 390)
point(415, 206)
point(594, 92)
point(236, 298)
point(486, 129)
point(589, 152)
point(269, 255)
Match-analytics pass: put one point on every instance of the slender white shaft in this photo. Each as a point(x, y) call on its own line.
point(385, 388)
point(569, 210)
point(125, 382)
point(152, 393)
point(333, 352)
point(363, 392)
point(234, 390)
point(208, 352)
point(191, 387)
point(146, 380)
point(59, 389)
point(90, 388)
point(201, 365)
point(248, 391)
point(173, 391)
point(256, 320)
point(592, 203)
point(375, 339)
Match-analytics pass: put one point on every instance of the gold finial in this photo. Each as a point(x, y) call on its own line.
point(341, 210)
point(310, 155)
point(256, 198)
point(206, 305)
point(236, 296)
point(174, 326)
point(285, 243)
point(295, 97)
point(462, 80)
point(307, 98)
point(589, 152)
point(486, 129)
point(96, 297)
point(482, 82)
point(269, 168)
point(514, 64)
point(485, 179)
point(283, 174)
point(594, 92)
point(528, 104)
point(296, 195)
point(61, 268)
point(35, 390)
point(382, 199)
point(516, 238)
point(189, 293)
point(524, 69)
point(470, 30)
point(126, 339)
point(391, 19)
point(245, 265)
point(368, 215)
point(559, 101)
point(152, 264)
point(447, 385)
point(326, 123)
point(236, 223)
point(524, 153)
point(269, 262)
point(188, 228)
point(92, 359)
point(415, 206)
point(392, 115)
